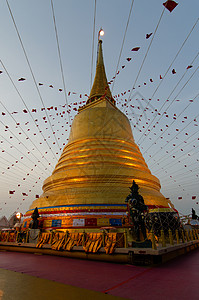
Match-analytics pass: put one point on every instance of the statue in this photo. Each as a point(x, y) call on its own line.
point(194, 216)
point(137, 211)
point(34, 222)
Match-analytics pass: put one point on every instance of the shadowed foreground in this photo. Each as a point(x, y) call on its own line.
point(51, 277)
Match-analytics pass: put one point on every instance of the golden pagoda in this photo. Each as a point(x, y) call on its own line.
point(91, 180)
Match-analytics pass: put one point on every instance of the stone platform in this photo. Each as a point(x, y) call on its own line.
point(134, 256)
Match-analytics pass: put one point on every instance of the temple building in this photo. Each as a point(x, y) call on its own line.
point(91, 180)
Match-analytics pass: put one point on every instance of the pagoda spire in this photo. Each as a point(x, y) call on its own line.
point(100, 86)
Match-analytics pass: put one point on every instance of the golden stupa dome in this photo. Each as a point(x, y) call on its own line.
point(91, 180)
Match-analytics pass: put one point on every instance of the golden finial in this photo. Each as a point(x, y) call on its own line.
point(100, 86)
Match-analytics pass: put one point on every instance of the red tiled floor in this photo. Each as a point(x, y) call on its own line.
point(177, 279)
point(95, 275)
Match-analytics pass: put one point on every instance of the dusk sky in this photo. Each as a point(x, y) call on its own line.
point(156, 87)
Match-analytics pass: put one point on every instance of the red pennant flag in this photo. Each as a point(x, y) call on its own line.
point(170, 5)
point(189, 67)
point(135, 49)
point(51, 86)
point(193, 197)
point(148, 35)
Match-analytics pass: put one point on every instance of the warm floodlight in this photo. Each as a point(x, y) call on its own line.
point(100, 33)
point(18, 215)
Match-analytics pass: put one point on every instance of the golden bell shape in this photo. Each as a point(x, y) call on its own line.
point(89, 184)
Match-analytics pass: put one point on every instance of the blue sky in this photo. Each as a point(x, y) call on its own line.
point(170, 149)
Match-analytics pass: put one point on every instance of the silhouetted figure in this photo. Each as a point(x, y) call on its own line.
point(137, 210)
point(34, 222)
point(194, 216)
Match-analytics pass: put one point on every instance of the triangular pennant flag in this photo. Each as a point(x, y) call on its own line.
point(170, 5)
point(11, 192)
point(148, 35)
point(135, 49)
